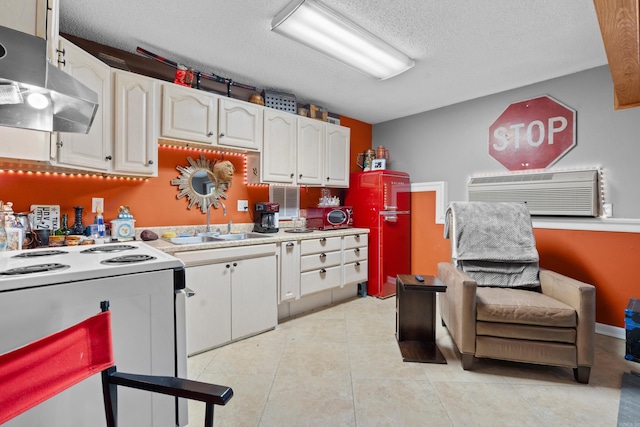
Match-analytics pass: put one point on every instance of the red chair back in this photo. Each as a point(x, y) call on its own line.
point(38, 371)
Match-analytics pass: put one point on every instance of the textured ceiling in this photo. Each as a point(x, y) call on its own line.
point(463, 49)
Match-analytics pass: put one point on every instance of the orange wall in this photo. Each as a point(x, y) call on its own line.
point(603, 259)
point(153, 201)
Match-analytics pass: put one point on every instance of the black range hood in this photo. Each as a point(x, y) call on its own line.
point(36, 95)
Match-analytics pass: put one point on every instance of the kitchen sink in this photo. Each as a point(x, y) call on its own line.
point(239, 236)
point(208, 238)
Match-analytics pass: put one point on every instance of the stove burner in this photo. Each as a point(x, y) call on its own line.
point(39, 253)
point(128, 259)
point(30, 269)
point(107, 248)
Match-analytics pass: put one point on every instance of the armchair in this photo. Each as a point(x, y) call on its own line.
point(549, 321)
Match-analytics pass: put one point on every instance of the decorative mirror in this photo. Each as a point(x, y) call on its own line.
point(204, 181)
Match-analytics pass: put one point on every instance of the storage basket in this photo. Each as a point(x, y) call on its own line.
point(279, 100)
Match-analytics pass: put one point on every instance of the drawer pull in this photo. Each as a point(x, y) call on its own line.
point(356, 250)
point(228, 265)
point(324, 239)
point(322, 271)
point(289, 245)
point(235, 264)
point(323, 255)
point(357, 264)
point(357, 237)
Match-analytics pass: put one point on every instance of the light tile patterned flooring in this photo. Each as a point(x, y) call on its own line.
point(341, 366)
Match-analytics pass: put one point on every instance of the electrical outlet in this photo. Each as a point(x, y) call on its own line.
point(97, 202)
point(243, 205)
point(608, 210)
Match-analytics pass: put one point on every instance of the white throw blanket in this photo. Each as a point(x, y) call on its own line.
point(493, 243)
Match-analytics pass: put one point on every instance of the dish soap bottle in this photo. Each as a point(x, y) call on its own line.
point(3, 231)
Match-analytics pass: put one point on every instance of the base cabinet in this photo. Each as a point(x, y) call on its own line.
point(235, 294)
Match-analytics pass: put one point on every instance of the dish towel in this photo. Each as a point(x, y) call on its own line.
point(493, 243)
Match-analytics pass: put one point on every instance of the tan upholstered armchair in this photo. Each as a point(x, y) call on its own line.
point(551, 322)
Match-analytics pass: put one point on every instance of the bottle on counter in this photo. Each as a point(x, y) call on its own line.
point(78, 228)
point(64, 226)
point(100, 221)
point(3, 231)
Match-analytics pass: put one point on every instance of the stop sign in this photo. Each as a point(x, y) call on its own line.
point(532, 134)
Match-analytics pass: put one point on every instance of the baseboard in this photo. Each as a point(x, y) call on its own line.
point(611, 331)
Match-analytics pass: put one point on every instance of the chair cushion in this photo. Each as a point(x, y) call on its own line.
point(526, 332)
point(522, 306)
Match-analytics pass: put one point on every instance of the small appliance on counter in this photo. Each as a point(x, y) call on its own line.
point(329, 217)
point(266, 217)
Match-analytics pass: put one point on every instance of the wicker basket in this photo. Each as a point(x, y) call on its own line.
point(279, 100)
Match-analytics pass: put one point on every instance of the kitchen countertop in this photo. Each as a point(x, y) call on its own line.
point(281, 236)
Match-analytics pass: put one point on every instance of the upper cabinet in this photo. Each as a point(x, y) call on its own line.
point(189, 114)
point(311, 140)
point(136, 115)
point(337, 139)
point(90, 151)
point(35, 17)
point(278, 158)
point(196, 116)
point(240, 124)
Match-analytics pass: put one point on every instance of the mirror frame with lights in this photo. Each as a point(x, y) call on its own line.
point(196, 168)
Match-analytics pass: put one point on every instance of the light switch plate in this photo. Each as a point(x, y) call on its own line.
point(97, 202)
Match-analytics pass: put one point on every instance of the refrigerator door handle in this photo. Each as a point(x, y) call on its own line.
point(391, 218)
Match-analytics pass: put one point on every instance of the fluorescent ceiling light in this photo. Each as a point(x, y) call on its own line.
point(318, 27)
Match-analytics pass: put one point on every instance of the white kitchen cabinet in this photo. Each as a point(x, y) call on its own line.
point(36, 17)
point(236, 294)
point(320, 264)
point(239, 124)
point(310, 149)
point(278, 157)
point(136, 117)
point(189, 114)
point(289, 270)
point(90, 151)
point(337, 154)
point(355, 259)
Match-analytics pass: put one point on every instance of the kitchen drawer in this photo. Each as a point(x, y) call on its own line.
point(321, 260)
point(324, 244)
point(319, 280)
point(355, 241)
point(355, 272)
point(355, 254)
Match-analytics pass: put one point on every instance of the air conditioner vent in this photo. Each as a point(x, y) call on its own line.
point(567, 193)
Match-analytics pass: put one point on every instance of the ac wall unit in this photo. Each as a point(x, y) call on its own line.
point(567, 193)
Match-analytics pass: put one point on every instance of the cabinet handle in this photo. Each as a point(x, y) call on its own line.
point(150, 162)
point(323, 255)
point(63, 62)
point(222, 135)
point(356, 250)
point(235, 264)
point(324, 239)
point(357, 237)
point(60, 51)
point(210, 134)
point(228, 265)
point(322, 271)
point(328, 178)
point(300, 176)
point(289, 245)
point(108, 158)
point(357, 264)
point(59, 144)
point(292, 175)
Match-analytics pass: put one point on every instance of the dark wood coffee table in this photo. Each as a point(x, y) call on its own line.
point(416, 318)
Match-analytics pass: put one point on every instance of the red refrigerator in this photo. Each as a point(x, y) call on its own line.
point(381, 201)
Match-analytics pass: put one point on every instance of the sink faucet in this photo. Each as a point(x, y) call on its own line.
point(208, 229)
point(229, 227)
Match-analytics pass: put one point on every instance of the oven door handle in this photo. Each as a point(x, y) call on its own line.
point(187, 291)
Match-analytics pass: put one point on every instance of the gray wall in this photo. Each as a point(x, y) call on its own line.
point(451, 143)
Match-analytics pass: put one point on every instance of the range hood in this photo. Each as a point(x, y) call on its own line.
point(36, 95)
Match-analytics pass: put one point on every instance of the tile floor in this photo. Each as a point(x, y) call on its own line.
point(341, 366)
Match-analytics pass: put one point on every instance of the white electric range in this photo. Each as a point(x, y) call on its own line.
point(45, 290)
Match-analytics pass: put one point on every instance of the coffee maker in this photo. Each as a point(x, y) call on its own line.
point(266, 217)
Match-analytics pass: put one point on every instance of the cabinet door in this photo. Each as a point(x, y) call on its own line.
point(136, 122)
point(310, 152)
point(279, 147)
point(337, 156)
point(253, 295)
point(240, 124)
point(209, 310)
point(90, 151)
point(36, 17)
point(289, 270)
point(189, 114)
